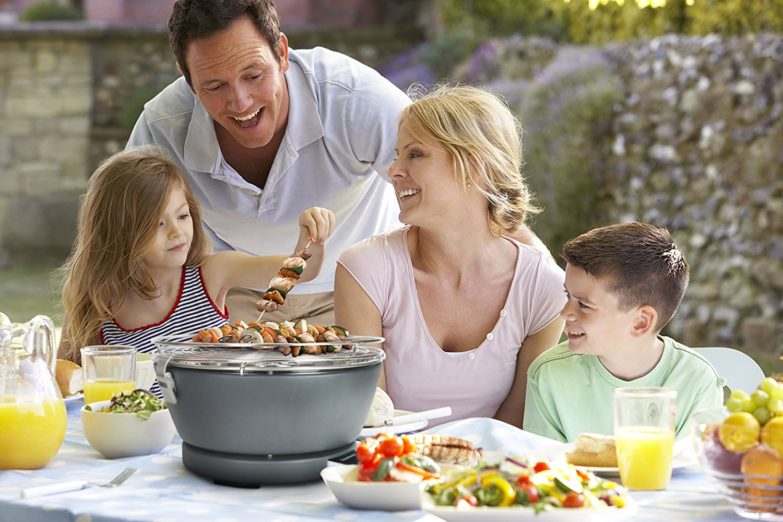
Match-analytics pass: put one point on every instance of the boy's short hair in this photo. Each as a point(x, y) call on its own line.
point(640, 263)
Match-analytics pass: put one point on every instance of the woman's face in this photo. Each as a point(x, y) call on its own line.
point(424, 180)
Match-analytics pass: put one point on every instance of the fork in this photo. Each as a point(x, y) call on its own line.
point(76, 485)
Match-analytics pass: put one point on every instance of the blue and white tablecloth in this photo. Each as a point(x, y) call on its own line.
point(163, 490)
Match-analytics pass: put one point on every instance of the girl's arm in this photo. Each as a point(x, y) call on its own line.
point(354, 310)
point(225, 270)
point(512, 409)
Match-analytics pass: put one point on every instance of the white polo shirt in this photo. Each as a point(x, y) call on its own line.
point(336, 152)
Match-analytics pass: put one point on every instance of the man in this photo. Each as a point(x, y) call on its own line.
point(264, 132)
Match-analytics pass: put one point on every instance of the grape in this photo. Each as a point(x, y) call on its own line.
point(768, 385)
point(762, 415)
point(734, 404)
point(760, 398)
point(777, 392)
point(748, 406)
point(775, 406)
point(739, 394)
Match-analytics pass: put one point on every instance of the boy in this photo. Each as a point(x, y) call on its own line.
point(623, 282)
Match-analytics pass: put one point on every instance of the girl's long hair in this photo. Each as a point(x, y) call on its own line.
point(118, 219)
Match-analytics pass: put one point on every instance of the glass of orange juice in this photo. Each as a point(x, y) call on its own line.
point(107, 369)
point(644, 434)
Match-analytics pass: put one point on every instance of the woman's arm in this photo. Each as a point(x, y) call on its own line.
point(512, 409)
point(354, 309)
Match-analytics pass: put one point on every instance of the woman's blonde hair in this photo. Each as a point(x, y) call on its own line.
point(484, 141)
point(118, 219)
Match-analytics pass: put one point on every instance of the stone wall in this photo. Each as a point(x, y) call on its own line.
point(698, 147)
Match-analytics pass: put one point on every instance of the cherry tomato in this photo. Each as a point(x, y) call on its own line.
point(408, 445)
point(373, 462)
point(391, 447)
point(531, 492)
point(365, 473)
point(573, 500)
point(365, 452)
point(523, 480)
point(540, 466)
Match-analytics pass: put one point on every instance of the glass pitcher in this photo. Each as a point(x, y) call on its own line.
point(32, 411)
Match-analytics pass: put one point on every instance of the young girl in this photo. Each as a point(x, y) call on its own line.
point(141, 265)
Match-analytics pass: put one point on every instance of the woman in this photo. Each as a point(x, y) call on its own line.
point(464, 308)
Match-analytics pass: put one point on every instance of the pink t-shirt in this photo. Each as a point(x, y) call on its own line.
point(419, 374)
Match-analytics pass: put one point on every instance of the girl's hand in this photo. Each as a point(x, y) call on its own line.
point(316, 225)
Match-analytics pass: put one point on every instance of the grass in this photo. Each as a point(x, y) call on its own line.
point(29, 289)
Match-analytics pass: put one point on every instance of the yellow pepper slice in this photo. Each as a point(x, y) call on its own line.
point(493, 479)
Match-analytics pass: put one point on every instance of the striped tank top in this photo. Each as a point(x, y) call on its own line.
point(193, 310)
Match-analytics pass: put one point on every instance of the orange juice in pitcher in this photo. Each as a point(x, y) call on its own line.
point(30, 433)
point(32, 411)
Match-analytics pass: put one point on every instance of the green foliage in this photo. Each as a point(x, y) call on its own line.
point(48, 10)
point(567, 116)
point(505, 17)
point(446, 51)
point(575, 21)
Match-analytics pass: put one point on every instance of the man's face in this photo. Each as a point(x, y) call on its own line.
point(239, 82)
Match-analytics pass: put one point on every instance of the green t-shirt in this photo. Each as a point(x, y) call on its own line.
point(569, 394)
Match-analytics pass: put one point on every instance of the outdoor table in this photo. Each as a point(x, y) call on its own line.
point(163, 490)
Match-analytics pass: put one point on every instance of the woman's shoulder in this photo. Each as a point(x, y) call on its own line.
point(379, 244)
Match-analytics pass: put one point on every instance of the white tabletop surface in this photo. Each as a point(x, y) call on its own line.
point(163, 490)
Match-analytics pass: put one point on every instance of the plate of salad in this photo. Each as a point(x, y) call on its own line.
point(388, 476)
point(517, 488)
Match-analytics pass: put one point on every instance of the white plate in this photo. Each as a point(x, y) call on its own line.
point(385, 496)
point(74, 397)
point(515, 513)
point(684, 457)
point(395, 428)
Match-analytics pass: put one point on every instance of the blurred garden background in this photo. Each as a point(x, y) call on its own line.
point(665, 111)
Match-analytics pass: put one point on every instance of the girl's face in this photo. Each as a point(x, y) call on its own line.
point(424, 180)
point(170, 245)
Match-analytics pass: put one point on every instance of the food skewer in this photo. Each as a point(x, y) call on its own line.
point(287, 277)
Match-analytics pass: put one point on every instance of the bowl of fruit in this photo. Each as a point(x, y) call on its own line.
point(741, 448)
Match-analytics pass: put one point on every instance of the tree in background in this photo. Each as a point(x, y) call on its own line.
point(600, 21)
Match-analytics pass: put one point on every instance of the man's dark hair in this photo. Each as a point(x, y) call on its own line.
point(193, 19)
point(640, 263)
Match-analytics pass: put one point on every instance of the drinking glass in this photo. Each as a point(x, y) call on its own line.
point(644, 433)
point(107, 369)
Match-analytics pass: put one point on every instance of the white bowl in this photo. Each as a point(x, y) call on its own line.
point(117, 435)
point(145, 371)
point(385, 496)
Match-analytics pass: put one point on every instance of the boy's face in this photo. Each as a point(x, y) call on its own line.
point(594, 323)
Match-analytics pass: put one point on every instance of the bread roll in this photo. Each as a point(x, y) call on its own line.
point(69, 377)
point(594, 450)
point(381, 410)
